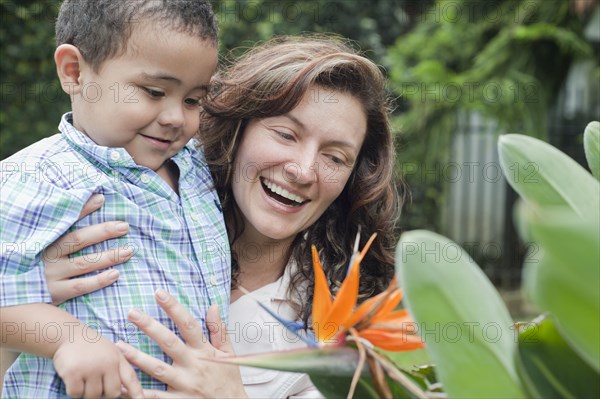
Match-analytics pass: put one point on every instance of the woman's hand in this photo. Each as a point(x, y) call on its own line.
point(60, 268)
point(189, 375)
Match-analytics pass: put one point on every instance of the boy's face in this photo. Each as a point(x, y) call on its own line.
point(147, 100)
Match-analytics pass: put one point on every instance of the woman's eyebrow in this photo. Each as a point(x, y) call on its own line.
point(341, 143)
point(295, 120)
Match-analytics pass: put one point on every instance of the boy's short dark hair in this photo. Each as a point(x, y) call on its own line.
point(100, 29)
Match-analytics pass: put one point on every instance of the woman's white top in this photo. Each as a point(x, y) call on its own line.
point(252, 330)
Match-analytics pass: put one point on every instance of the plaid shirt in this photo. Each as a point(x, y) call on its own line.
point(179, 242)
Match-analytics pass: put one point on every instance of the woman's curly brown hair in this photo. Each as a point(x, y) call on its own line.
point(270, 80)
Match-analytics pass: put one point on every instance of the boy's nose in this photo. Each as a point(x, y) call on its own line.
point(172, 116)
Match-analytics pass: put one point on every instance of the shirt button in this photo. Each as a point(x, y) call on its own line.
point(115, 156)
point(145, 178)
point(213, 280)
point(195, 217)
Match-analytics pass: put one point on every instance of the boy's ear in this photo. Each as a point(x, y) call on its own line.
point(69, 62)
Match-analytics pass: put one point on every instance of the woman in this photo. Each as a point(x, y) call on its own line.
point(299, 144)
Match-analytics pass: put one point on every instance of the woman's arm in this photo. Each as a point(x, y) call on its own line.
point(189, 375)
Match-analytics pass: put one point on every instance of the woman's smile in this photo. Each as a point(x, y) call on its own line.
point(282, 195)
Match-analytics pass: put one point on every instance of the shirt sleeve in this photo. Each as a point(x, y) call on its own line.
point(34, 212)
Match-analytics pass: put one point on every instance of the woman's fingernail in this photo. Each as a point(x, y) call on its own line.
point(113, 274)
point(121, 346)
point(122, 227)
point(97, 199)
point(161, 294)
point(125, 252)
point(134, 315)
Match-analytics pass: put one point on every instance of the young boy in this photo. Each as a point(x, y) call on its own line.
point(136, 72)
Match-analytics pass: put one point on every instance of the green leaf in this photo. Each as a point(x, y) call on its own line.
point(545, 176)
point(564, 279)
point(409, 360)
point(549, 367)
point(330, 369)
point(591, 145)
point(465, 325)
point(328, 361)
point(337, 387)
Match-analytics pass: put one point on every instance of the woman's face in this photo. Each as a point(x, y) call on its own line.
point(290, 168)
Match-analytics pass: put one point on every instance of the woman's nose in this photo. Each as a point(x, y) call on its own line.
point(304, 169)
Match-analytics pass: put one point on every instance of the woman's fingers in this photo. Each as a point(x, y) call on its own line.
point(190, 329)
point(66, 289)
point(218, 330)
point(58, 274)
point(60, 267)
point(93, 204)
point(165, 338)
point(65, 267)
point(84, 237)
point(156, 368)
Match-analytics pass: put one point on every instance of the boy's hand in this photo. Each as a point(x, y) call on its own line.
point(95, 369)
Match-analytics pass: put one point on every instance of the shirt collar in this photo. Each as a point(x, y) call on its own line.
point(282, 294)
point(116, 157)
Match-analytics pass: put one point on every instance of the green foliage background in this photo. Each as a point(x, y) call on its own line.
point(31, 98)
point(32, 101)
point(522, 44)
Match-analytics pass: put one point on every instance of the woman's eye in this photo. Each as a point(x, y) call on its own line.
point(336, 160)
point(285, 136)
point(154, 93)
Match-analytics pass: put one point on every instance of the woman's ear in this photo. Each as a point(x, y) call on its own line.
point(69, 61)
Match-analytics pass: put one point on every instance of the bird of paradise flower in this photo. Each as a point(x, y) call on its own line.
point(375, 321)
point(374, 324)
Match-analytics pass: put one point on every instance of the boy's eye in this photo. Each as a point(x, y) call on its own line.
point(154, 93)
point(193, 101)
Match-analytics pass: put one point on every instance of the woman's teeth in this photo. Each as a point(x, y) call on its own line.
point(283, 192)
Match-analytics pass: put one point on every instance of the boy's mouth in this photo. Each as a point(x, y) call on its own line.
point(158, 143)
point(157, 139)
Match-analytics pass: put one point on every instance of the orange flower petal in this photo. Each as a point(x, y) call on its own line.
point(391, 340)
point(345, 299)
point(376, 307)
point(366, 247)
point(397, 315)
point(322, 297)
point(399, 320)
point(363, 308)
point(390, 304)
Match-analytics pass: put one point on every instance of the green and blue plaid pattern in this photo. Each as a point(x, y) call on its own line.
point(179, 242)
